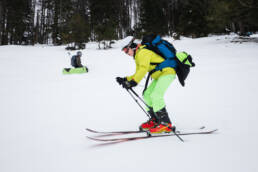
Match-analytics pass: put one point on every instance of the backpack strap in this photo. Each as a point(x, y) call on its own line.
point(147, 80)
point(185, 60)
point(190, 59)
point(155, 63)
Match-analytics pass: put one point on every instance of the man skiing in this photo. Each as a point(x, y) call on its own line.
point(146, 60)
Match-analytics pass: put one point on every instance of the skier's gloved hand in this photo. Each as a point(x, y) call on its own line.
point(129, 84)
point(120, 80)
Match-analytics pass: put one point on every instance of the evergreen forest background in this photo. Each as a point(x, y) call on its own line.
point(58, 22)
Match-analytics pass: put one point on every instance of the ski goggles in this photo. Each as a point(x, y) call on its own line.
point(126, 49)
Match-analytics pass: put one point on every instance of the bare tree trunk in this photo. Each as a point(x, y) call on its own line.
point(4, 40)
point(1, 18)
point(233, 27)
point(241, 27)
point(32, 36)
point(55, 25)
point(42, 23)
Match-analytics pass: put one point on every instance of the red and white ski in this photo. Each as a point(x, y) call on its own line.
point(139, 137)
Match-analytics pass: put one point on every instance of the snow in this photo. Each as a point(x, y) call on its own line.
point(44, 113)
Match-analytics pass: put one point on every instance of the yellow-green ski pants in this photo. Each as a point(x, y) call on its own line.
point(154, 94)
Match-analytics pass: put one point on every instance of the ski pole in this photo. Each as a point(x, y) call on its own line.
point(138, 102)
point(177, 136)
point(139, 97)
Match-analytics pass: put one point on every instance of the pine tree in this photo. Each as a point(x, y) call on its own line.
point(104, 20)
point(78, 21)
point(15, 21)
point(243, 15)
point(78, 31)
point(153, 17)
point(192, 19)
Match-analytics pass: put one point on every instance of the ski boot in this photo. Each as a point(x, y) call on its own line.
point(164, 124)
point(150, 123)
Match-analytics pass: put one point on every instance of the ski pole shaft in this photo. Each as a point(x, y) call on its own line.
point(178, 136)
point(137, 102)
point(139, 97)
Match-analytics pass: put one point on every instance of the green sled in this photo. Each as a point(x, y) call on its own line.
point(75, 70)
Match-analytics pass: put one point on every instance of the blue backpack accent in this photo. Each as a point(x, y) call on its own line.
point(181, 61)
point(163, 48)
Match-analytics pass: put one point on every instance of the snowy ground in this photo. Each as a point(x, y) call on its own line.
point(43, 113)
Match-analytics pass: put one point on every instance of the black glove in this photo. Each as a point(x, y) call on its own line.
point(120, 80)
point(129, 84)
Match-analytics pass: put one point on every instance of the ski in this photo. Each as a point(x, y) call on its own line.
point(149, 136)
point(110, 133)
point(115, 133)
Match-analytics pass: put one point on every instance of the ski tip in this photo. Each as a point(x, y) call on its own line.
point(212, 131)
point(106, 140)
point(215, 130)
point(90, 130)
point(95, 139)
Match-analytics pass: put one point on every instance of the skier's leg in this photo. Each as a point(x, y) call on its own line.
point(147, 99)
point(157, 97)
point(148, 92)
point(158, 92)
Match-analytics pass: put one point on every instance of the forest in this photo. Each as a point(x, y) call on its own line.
point(59, 22)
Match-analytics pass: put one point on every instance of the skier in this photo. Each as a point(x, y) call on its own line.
point(146, 60)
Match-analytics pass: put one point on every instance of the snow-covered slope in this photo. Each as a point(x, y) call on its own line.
point(43, 113)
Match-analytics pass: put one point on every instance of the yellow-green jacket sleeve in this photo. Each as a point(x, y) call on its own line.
point(142, 61)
